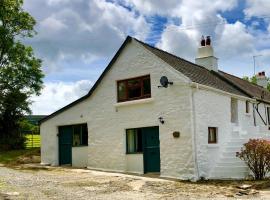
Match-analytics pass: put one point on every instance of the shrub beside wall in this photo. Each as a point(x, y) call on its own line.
point(256, 154)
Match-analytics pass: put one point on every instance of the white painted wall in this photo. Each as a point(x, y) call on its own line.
point(107, 120)
point(135, 163)
point(212, 110)
point(79, 156)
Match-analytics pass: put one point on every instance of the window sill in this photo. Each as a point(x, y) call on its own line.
point(134, 102)
point(248, 114)
point(213, 145)
point(80, 146)
point(134, 153)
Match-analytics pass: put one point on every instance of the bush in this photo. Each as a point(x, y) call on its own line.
point(256, 154)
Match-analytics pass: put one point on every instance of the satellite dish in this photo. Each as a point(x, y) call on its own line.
point(165, 82)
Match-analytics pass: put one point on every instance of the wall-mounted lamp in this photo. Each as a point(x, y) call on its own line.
point(161, 120)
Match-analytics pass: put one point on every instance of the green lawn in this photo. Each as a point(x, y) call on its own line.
point(14, 156)
point(32, 141)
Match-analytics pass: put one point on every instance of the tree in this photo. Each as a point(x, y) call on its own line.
point(20, 71)
point(256, 154)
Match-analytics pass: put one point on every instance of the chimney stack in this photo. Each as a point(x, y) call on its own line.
point(262, 79)
point(205, 56)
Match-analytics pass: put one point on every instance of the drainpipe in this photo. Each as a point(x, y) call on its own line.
point(194, 133)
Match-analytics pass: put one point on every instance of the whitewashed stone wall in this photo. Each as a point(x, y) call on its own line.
point(78, 156)
point(107, 120)
point(212, 110)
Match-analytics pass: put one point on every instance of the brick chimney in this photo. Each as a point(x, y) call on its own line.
point(205, 56)
point(262, 79)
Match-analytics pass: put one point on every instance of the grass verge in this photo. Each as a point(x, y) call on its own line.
point(15, 157)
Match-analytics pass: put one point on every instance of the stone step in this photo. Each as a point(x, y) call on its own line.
point(233, 148)
point(236, 142)
point(229, 175)
point(229, 159)
point(229, 154)
point(230, 164)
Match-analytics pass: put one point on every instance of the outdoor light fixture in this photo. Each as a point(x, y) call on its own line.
point(161, 120)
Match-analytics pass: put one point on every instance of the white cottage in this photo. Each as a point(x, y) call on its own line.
point(187, 128)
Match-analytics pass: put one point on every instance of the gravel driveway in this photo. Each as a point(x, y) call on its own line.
point(64, 183)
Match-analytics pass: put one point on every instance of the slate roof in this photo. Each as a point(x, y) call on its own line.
point(195, 73)
point(251, 89)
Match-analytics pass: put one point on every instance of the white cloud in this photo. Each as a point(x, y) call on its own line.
point(257, 8)
point(52, 24)
point(57, 95)
point(82, 29)
point(234, 41)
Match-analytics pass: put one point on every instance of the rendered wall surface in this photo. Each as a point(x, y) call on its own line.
point(108, 120)
point(78, 156)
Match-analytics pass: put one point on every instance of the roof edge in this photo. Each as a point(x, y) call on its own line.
point(127, 40)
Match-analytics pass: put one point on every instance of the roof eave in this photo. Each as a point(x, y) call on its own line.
point(127, 40)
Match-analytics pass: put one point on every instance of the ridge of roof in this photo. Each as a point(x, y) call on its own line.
point(190, 70)
point(195, 72)
point(170, 54)
point(256, 91)
point(254, 84)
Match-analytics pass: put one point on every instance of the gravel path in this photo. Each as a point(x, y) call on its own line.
point(64, 183)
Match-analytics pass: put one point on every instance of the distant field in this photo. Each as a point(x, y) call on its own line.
point(32, 141)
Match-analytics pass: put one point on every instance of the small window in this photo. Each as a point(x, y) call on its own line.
point(134, 140)
point(132, 89)
point(247, 107)
point(212, 135)
point(268, 115)
point(80, 135)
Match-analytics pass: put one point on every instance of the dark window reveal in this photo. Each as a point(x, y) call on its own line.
point(135, 88)
point(134, 140)
point(268, 115)
point(212, 135)
point(80, 135)
point(247, 107)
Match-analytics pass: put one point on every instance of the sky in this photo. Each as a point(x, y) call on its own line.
point(77, 39)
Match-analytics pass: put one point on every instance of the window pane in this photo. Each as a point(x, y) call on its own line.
point(146, 86)
point(212, 135)
point(76, 135)
point(130, 141)
point(134, 88)
point(139, 140)
point(84, 135)
point(134, 141)
point(247, 107)
point(122, 90)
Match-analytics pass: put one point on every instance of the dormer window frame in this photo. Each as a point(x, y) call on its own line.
point(138, 85)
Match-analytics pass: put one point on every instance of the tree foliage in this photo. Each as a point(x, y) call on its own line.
point(20, 71)
point(256, 154)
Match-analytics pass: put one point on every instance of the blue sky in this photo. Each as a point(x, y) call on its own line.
point(77, 39)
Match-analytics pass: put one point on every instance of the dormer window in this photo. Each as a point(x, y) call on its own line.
point(134, 88)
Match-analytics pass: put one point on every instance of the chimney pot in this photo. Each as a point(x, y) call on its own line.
point(205, 56)
point(208, 40)
point(202, 41)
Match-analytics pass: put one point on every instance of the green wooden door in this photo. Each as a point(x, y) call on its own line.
point(65, 145)
point(151, 153)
